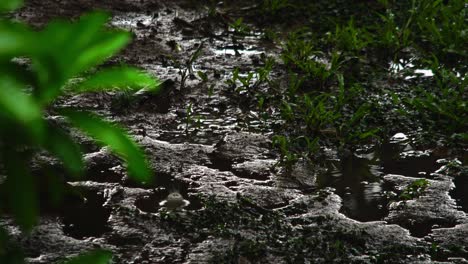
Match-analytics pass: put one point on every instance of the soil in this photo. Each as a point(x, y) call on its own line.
point(212, 148)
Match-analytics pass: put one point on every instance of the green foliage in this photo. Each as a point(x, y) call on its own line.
point(119, 78)
point(315, 119)
point(273, 7)
point(10, 5)
point(300, 55)
point(350, 38)
point(414, 189)
point(61, 51)
point(239, 27)
point(109, 135)
point(287, 155)
point(350, 125)
point(94, 257)
point(252, 80)
point(315, 113)
point(391, 35)
point(186, 69)
point(443, 26)
point(427, 26)
point(444, 108)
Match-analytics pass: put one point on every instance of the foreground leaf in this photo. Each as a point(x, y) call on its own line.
point(15, 39)
point(104, 46)
point(10, 5)
point(20, 107)
point(114, 137)
point(62, 146)
point(82, 45)
point(20, 189)
point(121, 78)
point(94, 257)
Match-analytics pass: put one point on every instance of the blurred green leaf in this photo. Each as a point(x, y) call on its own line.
point(15, 39)
point(120, 78)
point(102, 47)
point(86, 29)
point(82, 45)
point(114, 137)
point(21, 189)
point(62, 146)
point(10, 5)
point(20, 106)
point(94, 257)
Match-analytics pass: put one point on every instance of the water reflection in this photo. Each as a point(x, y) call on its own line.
point(358, 182)
point(358, 179)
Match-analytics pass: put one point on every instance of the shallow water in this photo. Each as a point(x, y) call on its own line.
point(459, 193)
point(358, 180)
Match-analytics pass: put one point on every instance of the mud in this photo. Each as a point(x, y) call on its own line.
point(244, 208)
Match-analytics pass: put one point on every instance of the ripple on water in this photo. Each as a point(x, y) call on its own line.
point(358, 179)
point(358, 182)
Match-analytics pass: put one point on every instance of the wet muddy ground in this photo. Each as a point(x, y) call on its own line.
point(209, 145)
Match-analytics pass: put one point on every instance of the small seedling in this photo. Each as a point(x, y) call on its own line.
point(239, 27)
point(414, 189)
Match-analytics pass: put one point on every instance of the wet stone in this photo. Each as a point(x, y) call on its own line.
point(433, 207)
point(237, 200)
point(241, 146)
point(256, 169)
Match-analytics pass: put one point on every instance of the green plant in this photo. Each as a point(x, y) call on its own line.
point(443, 28)
point(273, 7)
point(349, 38)
point(251, 80)
point(393, 35)
point(349, 126)
point(316, 114)
point(186, 69)
point(443, 108)
point(414, 189)
point(300, 56)
point(239, 27)
point(59, 52)
point(96, 256)
point(284, 145)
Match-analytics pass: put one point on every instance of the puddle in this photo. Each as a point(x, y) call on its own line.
point(132, 20)
point(398, 157)
point(410, 163)
point(358, 182)
point(459, 193)
point(237, 50)
point(402, 67)
point(86, 218)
